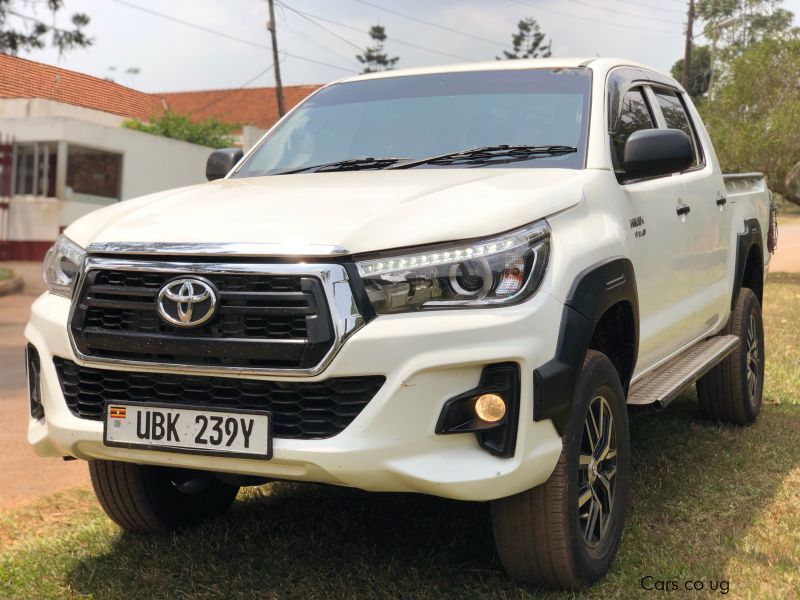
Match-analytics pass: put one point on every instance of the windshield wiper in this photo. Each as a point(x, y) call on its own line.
point(475, 156)
point(351, 164)
point(490, 155)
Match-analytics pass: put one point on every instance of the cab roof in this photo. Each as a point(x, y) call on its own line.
point(595, 64)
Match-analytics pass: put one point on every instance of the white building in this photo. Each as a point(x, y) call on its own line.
point(64, 152)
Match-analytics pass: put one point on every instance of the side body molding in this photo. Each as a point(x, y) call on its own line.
point(595, 290)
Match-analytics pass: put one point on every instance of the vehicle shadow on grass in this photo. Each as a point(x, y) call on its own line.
point(696, 489)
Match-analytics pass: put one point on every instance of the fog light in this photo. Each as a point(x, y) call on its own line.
point(490, 408)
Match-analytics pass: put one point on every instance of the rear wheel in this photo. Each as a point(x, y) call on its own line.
point(150, 499)
point(732, 391)
point(565, 533)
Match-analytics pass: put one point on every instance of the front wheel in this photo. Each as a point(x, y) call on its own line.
point(565, 533)
point(150, 499)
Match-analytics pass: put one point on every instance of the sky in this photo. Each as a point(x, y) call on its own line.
point(172, 56)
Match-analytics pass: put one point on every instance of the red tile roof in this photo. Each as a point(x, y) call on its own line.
point(249, 106)
point(22, 78)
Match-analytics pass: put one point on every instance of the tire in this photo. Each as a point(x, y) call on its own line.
point(732, 391)
point(149, 499)
point(540, 534)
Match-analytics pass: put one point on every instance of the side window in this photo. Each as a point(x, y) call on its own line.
point(634, 115)
point(675, 115)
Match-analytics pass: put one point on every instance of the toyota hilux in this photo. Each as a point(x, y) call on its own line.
point(449, 281)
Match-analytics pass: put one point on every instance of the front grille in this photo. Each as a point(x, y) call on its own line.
point(307, 410)
point(263, 321)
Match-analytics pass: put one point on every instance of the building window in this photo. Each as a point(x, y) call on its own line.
point(35, 171)
point(93, 172)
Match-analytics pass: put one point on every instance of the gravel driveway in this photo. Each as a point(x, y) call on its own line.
point(787, 258)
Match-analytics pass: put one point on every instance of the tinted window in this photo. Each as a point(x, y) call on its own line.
point(634, 116)
point(675, 115)
point(425, 115)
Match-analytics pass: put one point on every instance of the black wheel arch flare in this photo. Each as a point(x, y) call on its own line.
point(594, 291)
point(744, 243)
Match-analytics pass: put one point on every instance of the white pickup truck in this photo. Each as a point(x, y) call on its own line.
point(444, 280)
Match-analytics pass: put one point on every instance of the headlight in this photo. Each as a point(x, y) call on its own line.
point(492, 272)
point(62, 265)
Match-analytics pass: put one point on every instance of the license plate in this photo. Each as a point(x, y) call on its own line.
point(174, 428)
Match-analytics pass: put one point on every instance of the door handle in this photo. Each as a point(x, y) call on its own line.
point(685, 209)
point(721, 200)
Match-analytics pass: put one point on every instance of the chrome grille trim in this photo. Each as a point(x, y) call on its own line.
point(231, 249)
point(342, 306)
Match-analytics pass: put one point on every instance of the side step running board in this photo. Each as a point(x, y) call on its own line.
point(666, 383)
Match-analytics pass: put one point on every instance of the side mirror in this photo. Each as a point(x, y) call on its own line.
point(221, 162)
point(654, 152)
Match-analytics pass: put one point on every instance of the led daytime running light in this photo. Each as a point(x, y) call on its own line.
point(381, 266)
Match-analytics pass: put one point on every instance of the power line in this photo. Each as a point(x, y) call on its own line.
point(334, 34)
point(260, 74)
point(192, 25)
point(448, 54)
point(309, 40)
point(393, 39)
point(592, 19)
point(227, 36)
point(436, 25)
point(625, 13)
point(223, 95)
point(319, 62)
point(651, 7)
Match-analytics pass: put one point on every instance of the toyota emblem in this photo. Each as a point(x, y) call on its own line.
point(187, 302)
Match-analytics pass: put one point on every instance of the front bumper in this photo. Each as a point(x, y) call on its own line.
point(391, 446)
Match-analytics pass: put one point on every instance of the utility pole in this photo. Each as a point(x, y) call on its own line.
point(275, 61)
point(712, 63)
point(687, 55)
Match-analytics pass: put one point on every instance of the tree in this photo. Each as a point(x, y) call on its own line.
point(736, 24)
point(755, 115)
point(211, 132)
point(21, 30)
point(375, 58)
point(699, 72)
point(733, 25)
point(527, 42)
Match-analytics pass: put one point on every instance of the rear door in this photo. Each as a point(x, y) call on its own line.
point(658, 240)
point(709, 220)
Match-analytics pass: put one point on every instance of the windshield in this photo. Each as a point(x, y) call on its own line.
point(415, 117)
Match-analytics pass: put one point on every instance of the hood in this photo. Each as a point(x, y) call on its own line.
point(361, 211)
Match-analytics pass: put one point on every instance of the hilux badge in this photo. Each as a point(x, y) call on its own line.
point(187, 302)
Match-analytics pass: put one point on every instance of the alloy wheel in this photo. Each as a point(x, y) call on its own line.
point(597, 467)
point(753, 359)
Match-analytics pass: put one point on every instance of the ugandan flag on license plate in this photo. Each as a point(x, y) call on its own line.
point(117, 412)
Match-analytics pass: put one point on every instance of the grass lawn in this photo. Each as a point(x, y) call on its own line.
point(5, 273)
point(708, 503)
